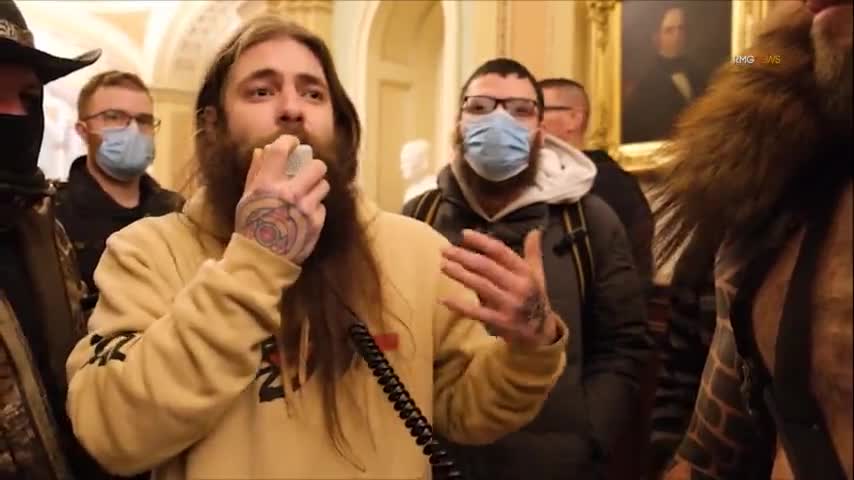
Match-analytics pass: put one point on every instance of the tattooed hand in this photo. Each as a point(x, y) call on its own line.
point(512, 289)
point(281, 213)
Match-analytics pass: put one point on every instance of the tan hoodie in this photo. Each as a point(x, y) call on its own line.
point(179, 373)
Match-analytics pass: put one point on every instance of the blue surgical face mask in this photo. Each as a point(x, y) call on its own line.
point(125, 153)
point(496, 146)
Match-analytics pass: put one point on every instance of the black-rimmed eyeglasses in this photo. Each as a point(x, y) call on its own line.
point(517, 107)
point(114, 118)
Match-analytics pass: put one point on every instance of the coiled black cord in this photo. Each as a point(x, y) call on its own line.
point(443, 466)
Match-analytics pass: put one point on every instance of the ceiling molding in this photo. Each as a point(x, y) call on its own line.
point(204, 34)
point(160, 22)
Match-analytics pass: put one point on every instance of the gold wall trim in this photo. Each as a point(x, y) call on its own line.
point(605, 75)
point(600, 13)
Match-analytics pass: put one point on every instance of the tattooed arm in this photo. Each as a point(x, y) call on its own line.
point(721, 435)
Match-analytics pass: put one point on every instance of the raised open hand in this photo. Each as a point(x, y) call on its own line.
point(512, 289)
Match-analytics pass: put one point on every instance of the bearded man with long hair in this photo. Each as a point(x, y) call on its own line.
point(763, 161)
point(219, 346)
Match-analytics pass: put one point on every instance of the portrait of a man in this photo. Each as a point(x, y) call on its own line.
point(669, 50)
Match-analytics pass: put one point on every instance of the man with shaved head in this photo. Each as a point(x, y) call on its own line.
point(566, 116)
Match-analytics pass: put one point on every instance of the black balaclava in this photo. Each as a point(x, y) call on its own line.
point(20, 143)
point(21, 181)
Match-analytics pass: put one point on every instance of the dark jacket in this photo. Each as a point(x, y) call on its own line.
point(597, 391)
point(90, 215)
point(683, 357)
point(621, 191)
point(650, 111)
point(40, 322)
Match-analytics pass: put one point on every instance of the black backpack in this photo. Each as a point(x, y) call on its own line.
point(573, 221)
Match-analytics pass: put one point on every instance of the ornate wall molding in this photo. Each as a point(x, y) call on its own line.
point(205, 33)
point(297, 6)
point(315, 15)
point(599, 12)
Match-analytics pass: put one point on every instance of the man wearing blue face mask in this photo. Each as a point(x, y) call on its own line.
point(109, 188)
point(506, 179)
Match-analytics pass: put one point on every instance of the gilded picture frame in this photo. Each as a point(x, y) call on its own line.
point(605, 77)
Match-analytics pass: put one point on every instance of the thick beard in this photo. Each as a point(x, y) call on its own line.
point(224, 165)
point(341, 274)
point(495, 195)
point(755, 153)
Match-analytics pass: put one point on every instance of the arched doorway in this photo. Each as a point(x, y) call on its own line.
point(405, 83)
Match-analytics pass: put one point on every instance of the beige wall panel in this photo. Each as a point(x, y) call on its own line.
point(175, 138)
point(528, 37)
point(394, 127)
point(181, 162)
point(480, 35)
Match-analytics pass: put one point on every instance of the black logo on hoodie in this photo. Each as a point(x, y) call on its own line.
point(270, 372)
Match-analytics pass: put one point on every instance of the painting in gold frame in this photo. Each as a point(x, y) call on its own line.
point(606, 76)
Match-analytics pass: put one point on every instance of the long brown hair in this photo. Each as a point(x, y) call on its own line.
point(342, 273)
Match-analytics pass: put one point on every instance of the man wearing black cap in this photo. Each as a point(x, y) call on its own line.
point(40, 289)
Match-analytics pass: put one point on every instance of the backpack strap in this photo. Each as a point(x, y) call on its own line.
point(427, 206)
point(783, 404)
point(582, 254)
point(800, 422)
point(755, 378)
